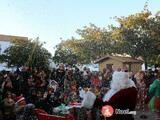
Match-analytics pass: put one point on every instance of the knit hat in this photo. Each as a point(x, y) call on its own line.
point(19, 99)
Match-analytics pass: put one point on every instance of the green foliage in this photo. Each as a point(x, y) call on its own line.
point(94, 43)
point(137, 35)
point(27, 52)
point(141, 34)
point(65, 56)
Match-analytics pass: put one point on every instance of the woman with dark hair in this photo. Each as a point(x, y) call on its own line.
point(60, 75)
point(70, 87)
point(8, 107)
point(7, 85)
point(142, 90)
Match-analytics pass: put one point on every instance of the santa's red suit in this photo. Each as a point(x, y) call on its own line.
point(122, 97)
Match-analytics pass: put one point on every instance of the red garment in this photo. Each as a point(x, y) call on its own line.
point(42, 115)
point(157, 103)
point(123, 100)
point(96, 81)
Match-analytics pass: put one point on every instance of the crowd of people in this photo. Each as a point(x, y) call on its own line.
point(24, 90)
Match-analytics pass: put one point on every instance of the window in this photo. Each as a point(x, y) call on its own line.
point(128, 66)
point(109, 66)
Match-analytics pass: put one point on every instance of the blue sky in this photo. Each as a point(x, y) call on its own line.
point(51, 20)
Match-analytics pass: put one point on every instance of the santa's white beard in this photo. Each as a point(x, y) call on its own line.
point(120, 81)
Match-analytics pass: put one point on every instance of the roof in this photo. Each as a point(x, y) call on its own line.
point(9, 38)
point(119, 58)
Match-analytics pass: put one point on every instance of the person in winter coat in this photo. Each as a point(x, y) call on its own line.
point(154, 103)
point(122, 96)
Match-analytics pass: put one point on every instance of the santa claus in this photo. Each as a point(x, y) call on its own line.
point(121, 97)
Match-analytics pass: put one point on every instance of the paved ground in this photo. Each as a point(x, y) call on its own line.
point(150, 116)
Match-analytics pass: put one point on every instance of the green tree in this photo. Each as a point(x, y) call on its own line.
point(92, 44)
point(137, 35)
point(27, 52)
point(140, 36)
point(65, 56)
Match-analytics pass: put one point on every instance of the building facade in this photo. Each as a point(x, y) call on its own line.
point(118, 62)
point(5, 42)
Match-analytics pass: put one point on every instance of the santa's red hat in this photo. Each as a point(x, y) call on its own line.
point(19, 99)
